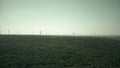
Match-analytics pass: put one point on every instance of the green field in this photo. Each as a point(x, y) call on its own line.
point(25, 51)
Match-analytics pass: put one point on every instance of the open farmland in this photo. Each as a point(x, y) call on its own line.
point(27, 51)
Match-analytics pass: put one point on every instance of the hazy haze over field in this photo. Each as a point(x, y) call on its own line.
point(84, 17)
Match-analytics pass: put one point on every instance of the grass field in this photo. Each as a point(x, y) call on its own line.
point(25, 51)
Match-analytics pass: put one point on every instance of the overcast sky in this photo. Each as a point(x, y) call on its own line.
point(84, 17)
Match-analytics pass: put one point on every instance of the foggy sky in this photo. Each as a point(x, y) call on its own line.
point(83, 17)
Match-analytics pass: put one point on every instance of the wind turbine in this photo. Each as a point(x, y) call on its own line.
point(40, 32)
point(32, 32)
point(8, 32)
point(17, 31)
point(46, 33)
point(73, 34)
point(0, 31)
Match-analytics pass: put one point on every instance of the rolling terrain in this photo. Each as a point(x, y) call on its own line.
point(29, 51)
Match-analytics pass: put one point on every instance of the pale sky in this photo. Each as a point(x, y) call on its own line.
point(83, 17)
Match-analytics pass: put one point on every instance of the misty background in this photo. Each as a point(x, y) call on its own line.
point(62, 17)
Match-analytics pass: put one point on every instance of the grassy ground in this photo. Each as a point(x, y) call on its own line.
point(58, 52)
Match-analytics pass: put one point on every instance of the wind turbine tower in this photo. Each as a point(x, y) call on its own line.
point(40, 32)
point(73, 34)
point(32, 32)
point(18, 32)
point(8, 32)
point(0, 32)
